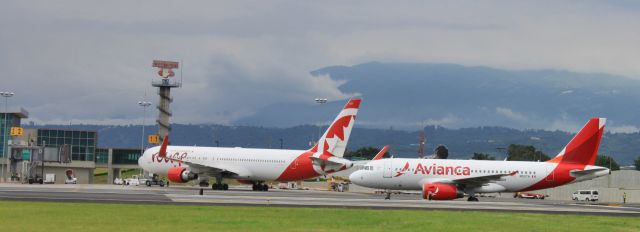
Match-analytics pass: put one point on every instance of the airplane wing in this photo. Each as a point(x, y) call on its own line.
point(204, 168)
point(209, 170)
point(476, 181)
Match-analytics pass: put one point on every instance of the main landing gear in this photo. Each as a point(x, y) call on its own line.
point(219, 185)
point(472, 198)
point(260, 187)
point(387, 195)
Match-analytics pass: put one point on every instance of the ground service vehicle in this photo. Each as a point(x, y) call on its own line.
point(585, 195)
point(155, 180)
point(529, 195)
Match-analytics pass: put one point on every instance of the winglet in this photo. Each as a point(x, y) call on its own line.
point(163, 148)
point(381, 153)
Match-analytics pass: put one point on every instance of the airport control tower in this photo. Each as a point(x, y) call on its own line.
point(165, 84)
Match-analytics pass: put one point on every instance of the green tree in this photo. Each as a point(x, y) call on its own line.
point(482, 156)
point(364, 153)
point(637, 163)
point(518, 152)
point(607, 161)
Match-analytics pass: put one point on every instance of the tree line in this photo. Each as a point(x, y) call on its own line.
point(515, 152)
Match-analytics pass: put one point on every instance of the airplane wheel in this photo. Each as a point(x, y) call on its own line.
point(148, 183)
point(472, 199)
point(265, 187)
point(225, 187)
point(254, 187)
point(214, 186)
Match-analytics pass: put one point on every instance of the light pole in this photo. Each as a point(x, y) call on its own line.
point(144, 105)
point(320, 101)
point(5, 141)
point(501, 150)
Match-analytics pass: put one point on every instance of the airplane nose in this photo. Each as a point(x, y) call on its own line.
point(356, 177)
point(141, 160)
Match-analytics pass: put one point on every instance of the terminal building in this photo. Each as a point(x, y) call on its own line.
point(40, 152)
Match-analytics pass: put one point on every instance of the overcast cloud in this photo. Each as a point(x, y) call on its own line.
point(89, 61)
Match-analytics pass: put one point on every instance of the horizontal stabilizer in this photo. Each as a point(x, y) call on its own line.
point(586, 172)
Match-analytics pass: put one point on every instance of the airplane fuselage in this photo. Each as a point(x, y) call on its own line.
point(411, 174)
point(252, 164)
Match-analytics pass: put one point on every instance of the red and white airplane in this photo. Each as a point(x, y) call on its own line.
point(441, 179)
point(254, 166)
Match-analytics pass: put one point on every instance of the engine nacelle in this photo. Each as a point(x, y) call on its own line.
point(441, 192)
point(180, 175)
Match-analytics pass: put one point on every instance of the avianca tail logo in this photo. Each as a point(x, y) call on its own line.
point(404, 169)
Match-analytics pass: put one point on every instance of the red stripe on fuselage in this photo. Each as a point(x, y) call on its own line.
point(299, 169)
point(559, 176)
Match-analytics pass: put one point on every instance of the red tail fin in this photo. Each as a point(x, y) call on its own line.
point(583, 148)
point(163, 148)
point(381, 153)
point(335, 138)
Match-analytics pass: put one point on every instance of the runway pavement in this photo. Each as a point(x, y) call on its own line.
point(179, 195)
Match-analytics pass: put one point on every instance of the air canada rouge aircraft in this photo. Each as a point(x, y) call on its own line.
point(254, 166)
point(441, 179)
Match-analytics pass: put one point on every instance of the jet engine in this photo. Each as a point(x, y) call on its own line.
point(441, 152)
point(441, 192)
point(181, 175)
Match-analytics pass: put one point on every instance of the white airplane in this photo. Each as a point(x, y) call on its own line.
point(255, 166)
point(441, 179)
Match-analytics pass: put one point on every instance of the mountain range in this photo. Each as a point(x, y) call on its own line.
point(411, 95)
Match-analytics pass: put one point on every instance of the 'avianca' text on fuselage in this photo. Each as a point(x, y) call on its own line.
point(435, 169)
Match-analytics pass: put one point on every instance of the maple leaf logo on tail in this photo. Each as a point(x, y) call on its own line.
point(334, 141)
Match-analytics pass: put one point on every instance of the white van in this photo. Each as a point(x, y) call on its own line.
point(585, 195)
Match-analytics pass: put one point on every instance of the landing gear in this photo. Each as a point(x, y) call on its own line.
point(260, 187)
point(387, 195)
point(219, 185)
point(204, 183)
point(472, 198)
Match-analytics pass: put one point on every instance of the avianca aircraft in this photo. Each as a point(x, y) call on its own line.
point(254, 166)
point(441, 179)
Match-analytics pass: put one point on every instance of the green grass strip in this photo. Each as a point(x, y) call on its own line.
point(86, 217)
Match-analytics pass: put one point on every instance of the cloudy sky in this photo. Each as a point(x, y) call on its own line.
point(90, 61)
